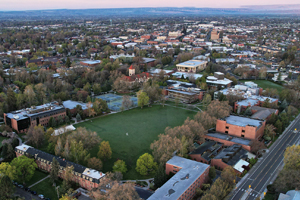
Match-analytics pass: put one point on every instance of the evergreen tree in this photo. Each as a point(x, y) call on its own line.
point(11, 100)
point(68, 63)
point(78, 117)
point(54, 170)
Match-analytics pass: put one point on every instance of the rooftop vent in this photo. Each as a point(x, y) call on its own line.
point(170, 192)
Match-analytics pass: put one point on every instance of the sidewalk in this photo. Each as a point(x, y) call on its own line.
point(146, 180)
point(39, 181)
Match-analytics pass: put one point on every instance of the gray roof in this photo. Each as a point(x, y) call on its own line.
point(182, 180)
point(72, 104)
point(290, 195)
point(208, 149)
point(262, 113)
point(232, 154)
point(242, 121)
point(227, 137)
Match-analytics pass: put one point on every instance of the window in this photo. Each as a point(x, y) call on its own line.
point(243, 131)
point(226, 132)
point(227, 127)
point(243, 135)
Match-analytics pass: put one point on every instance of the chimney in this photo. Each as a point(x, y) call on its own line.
point(100, 173)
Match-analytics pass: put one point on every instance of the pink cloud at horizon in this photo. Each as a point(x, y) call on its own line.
point(76, 4)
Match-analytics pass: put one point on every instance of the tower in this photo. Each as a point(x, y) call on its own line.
point(131, 71)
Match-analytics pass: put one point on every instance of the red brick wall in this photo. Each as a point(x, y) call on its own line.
point(172, 168)
point(220, 164)
point(197, 157)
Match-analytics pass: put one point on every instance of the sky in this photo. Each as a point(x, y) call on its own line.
point(9, 5)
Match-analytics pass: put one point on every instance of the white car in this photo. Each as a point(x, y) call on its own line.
point(41, 196)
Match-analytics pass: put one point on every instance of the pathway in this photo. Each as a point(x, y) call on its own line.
point(39, 181)
point(146, 180)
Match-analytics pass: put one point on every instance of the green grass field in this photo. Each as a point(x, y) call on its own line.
point(38, 175)
point(142, 125)
point(47, 189)
point(265, 84)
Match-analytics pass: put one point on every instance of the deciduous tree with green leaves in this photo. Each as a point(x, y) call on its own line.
point(146, 164)
point(25, 168)
point(7, 188)
point(120, 166)
point(104, 150)
point(143, 99)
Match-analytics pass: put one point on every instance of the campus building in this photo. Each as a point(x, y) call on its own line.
point(234, 156)
point(85, 177)
point(90, 63)
point(243, 127)
point(253, 100)
point(191, 66)
point(189, 175)
point(218, 81)
point(21, 120)
point(140, 78)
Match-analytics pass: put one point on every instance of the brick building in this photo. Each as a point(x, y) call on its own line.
point(90, 63)
point(51, 61)
point(142, 77)
point(189, 175)
point(243, 127)
point(218, 81)
point(206, 151)
point(85, 177)
point(234, 156)
point(21, 120)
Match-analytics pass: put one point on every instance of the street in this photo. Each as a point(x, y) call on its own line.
point(253, 184)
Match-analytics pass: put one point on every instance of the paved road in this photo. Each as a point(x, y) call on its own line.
point(26, 195)
point(262, 173)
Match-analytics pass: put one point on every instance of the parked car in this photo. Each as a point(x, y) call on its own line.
point(27, 189)
point(76, 194)
point(15, 183)
point(47, 199)
point(33, 192)
point(41, 196)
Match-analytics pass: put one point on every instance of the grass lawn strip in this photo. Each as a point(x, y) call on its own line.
point(1, 139)
point(38, 175)
point(47, 189)
point(142, 125)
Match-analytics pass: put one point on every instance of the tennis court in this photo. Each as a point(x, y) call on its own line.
point(114, 102)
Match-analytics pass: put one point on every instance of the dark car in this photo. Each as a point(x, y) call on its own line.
point(47, 199)
point(33, 192)
point(15, 183)
point(27, 189)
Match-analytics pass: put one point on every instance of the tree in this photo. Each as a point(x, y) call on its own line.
point(292, 157)
point(78, 153)
point(256, 146)
point(212, 172)
point(7, 188)
point(284, 104)
point(52, 122)
point(11, 100)
point(205, 119)
point(145, 164)
point(206, 100)
point(220, 188)
point(104, 150)
point(25, 168)
point(228, 175)
point(152, 90)
point(248, 111)
point(54, 170)
point(78, 117)
point(49, 133)
point(120, 166)
point(68, 63)
point(218, 109)
point(8, 170)
point(29, 94)
point(270, 131)
point(209, 196)
point(126, 102)
point(143, 98)
point(160, 176)
point(278, 126)
point(89, 139)
point(36, 135)
point(164, 147)
point(95, 163)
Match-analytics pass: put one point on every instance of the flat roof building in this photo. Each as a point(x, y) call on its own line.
point(189, 176)
point(241, 127)
point(191, 66)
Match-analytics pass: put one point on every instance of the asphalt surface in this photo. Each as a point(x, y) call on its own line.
point(26, 195)
point(255, 182)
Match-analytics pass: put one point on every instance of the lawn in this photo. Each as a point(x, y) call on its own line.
point(265, 84)
point(142, 125)
point(1, 139)
point(38, 175)
point(47, 189)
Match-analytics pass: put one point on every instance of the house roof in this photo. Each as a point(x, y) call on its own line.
point(131, 67)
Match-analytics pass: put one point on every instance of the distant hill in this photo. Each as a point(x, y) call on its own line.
point(159, 11)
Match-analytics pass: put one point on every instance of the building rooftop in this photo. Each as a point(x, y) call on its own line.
point(35, 111)
point(208, 149)
point(91, 62)
point(262, 113)
point(181, 181)
point(242, 121)
point(222, 136)
point(232, 154)
point(290, 195)
point(96, 175)
point(72, 104)
point(191, 63)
